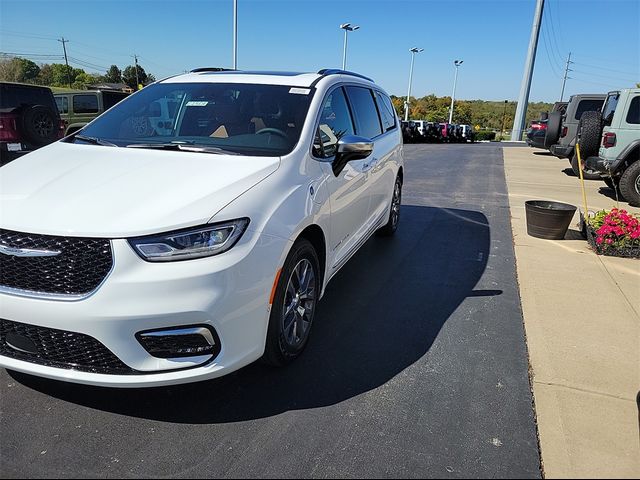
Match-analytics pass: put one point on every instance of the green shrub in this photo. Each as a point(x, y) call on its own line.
point(485, 135)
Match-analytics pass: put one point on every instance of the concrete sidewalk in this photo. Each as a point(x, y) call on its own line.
point(582, 320)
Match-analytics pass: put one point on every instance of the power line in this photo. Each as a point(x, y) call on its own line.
point(608, 69)
point(552, 36)
point(601, 76)
point(546, 49)
point(25, 35)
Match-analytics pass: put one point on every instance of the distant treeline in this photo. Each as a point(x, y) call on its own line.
point(485, 114)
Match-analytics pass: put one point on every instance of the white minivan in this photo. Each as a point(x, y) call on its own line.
point(134, 256)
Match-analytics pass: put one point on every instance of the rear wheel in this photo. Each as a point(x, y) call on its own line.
point(630, 184)
point(586, 174)
point(394, 214)
point(589, 132)
point(39, 125)
point(553, 129)
point(294, 305)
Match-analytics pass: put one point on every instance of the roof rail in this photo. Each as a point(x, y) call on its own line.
point(337, 71)
point(212, 69)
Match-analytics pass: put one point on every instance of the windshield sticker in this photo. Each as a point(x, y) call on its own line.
point(194, 103)
point(300, 91)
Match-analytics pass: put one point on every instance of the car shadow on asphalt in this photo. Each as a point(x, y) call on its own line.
point(380, 314)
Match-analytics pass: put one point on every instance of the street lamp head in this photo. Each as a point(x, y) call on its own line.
point(416, 50)
point(457, 63)
point(348, 27)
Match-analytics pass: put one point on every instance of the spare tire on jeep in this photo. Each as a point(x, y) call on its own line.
point(553, 129)
point(39, 125)
point(589, 134)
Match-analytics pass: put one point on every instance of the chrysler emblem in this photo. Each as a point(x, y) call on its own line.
point(27, 252)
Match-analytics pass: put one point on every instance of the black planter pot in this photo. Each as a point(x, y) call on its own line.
point(548, 220)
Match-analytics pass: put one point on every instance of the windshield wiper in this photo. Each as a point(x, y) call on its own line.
point(94, 141)
point(182, 147)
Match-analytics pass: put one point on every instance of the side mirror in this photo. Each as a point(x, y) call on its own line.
point(350, 148)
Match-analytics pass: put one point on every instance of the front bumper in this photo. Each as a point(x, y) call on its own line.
point(228, 292)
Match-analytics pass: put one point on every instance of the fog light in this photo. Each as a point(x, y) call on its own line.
point(180, 342)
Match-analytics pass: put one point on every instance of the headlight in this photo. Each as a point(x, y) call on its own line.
point(192, 243)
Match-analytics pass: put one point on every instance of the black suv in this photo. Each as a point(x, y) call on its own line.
point(29, 119)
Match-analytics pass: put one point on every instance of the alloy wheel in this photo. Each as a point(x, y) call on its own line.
point(299, 303)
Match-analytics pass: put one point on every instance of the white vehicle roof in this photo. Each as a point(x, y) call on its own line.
point(293, 79)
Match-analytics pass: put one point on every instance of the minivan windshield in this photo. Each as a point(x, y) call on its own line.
point(247, 119)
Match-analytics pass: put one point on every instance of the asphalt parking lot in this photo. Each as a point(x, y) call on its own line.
point(417, 367)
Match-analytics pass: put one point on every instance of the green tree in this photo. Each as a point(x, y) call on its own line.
point(45, 77)
point(113, 75)
point(61, 75)
point(129, 76)
point(10, 69)
point(29, 70)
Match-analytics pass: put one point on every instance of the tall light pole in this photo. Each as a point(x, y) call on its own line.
point(235, 34)
point(456, 63)
point(347, 27)
point(525, 87)
point(413, 51)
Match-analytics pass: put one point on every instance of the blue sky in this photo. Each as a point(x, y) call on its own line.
point(491, 36)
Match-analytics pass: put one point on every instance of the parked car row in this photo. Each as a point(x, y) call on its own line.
point(607, 128)
point(420, 131)
point(32, 116)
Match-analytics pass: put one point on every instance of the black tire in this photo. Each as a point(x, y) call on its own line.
point(39, 125)
point(586, 174)
point(394, 212)
point(553, 129)
point(589, 133)
point(630, 184)
point(281, 350)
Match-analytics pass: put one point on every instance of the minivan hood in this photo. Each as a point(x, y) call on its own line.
point(99, 191)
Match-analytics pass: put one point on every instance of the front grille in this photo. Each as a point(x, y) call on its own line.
point(62, 349)
point(81, 266)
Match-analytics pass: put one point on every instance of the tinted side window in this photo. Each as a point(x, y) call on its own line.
point(588, 106)
point(633, 115)
point(16, 96)
point(85, 104)
point(610, 108)
point(364, 111)
point(63, 104)
point(387, 115)
point(109, 99)
point(335, 123)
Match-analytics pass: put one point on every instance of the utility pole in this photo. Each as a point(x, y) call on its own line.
point(235, 34)
point(525, 88)
point(64, 48)
point(135, 59)
point(566, 72)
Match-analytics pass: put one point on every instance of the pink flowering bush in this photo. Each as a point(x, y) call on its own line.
point(616, 229)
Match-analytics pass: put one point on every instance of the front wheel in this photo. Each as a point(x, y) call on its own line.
point(294, 305)
point(630, 184)
point(394, 213)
